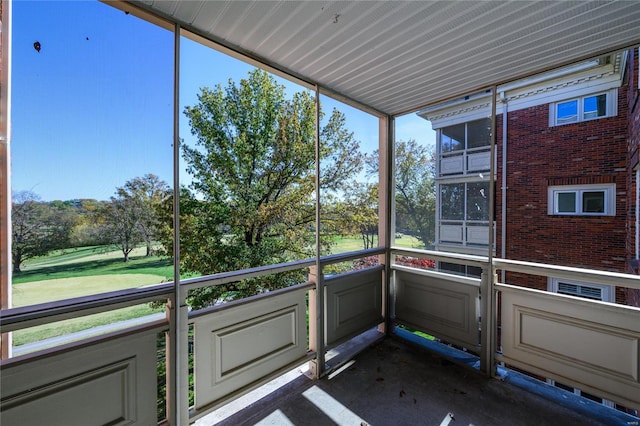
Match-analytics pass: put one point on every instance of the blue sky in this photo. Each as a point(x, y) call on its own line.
point(93, 108)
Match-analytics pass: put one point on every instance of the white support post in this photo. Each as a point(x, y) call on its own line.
point(317, 366)
point(178, 312)
point(488, 324)
point(5, 171)
point(489, 277)
point(316, 328)
point(385, 215)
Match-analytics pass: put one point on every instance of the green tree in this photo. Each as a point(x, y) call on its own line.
point(358, 213)
point(120, 224)
point(87, 230)
point(250, 202)
point(415, 196)
point(147, 193)
point(37, 227)
point(131, 217)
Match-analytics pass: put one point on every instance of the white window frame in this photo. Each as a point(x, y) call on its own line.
point(607, 292)
point(611, 108)
point(609, 199)
point(466, 161)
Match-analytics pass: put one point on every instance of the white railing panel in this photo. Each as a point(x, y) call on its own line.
point(452, 165)
point(447, 308)
point(111, 382)
point(478, 235)
point(239, 345)
point(353, 304)
point(591, 345)
point(451, 233)
point(479, 162)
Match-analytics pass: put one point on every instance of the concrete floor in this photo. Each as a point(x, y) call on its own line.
point(396, 383)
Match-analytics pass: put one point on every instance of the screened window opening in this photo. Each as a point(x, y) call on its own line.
point(584, 108)
point(464, 148)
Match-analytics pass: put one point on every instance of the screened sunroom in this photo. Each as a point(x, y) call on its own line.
point(284, 212)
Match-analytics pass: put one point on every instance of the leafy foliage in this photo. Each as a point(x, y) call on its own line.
point(415, 197)
point(358, 213)
point(147, 193)
point(253, 167)
point(131, 216)
point(416, 262)
point(37, 227)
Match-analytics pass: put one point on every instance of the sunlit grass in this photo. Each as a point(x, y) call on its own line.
point(35, 292)
point(91, 265)
point(46, 331)
point(84, 271)
point(57, 257)
point(344, 244)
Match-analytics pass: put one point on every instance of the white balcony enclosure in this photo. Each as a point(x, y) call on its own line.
point(387, 59)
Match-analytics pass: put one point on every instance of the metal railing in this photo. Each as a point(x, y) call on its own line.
point(28, 316)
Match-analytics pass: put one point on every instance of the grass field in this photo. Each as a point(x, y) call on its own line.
point(84, 271)
point(45, 331)
point(43, 291)
point(91, 261)
point(344, 244)
point(79, 272)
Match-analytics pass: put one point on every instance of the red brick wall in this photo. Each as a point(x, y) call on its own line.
point(539, 156)
point(633, 107)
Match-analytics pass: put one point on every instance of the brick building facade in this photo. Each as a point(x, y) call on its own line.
point(633, 175)
point(569, 179)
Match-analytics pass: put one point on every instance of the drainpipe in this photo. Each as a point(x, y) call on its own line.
point(637, 242)
point(503, 227)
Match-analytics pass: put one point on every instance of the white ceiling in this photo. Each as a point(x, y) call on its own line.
point(399, 56)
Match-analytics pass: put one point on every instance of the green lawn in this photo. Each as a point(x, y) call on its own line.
point(79, 272)
point(58, 257)
point(35, 292)
point(343, 244)
point(86, 262)
point(89, 270)
point(45, 331)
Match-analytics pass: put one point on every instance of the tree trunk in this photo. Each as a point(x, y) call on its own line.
point(148, 249)
point(17, 261)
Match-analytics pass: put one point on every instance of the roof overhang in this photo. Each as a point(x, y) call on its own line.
point(400, 56)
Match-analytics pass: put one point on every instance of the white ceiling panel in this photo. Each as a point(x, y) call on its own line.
point(399, 56)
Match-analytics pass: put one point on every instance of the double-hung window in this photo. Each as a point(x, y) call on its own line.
point(582, 200)
point(583, 108)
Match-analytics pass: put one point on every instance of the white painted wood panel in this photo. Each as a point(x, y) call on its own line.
point(591, 345)
point(240, 345)
point(478, 235)
point(451, 233)
point(111, 382)
point(479, 162)
point(438, 306)
point(353, 304)
point(452, 165)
